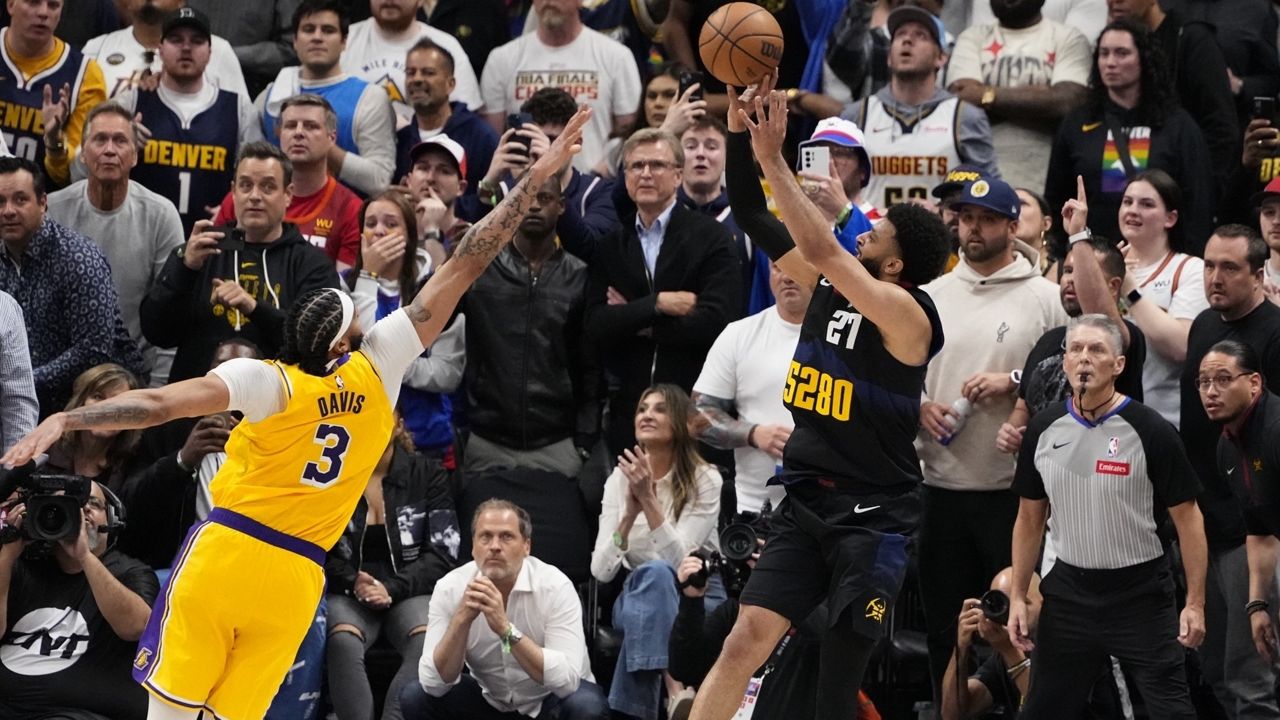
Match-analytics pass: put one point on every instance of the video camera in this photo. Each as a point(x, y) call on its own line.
point(739, 540)
point(53, 504)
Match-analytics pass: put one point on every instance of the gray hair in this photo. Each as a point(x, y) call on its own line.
point(111, 107)
point(647, 136)
point(1114, 337)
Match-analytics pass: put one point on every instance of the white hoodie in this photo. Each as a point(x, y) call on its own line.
point(991, 324)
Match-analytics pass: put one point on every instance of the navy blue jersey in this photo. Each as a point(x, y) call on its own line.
point(21, 101)
point(856, 407)
point(192, 166)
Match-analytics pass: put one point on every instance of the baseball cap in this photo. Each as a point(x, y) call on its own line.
point(1271, 190)
point(448, 144)
point(957, 178)
point(845, 133)
point(995, 195)
point(914, 13)
point(186, 17)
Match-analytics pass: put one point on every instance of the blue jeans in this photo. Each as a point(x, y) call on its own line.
point(466, 702)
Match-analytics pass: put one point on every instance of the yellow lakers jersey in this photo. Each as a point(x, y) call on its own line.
point(302, 470)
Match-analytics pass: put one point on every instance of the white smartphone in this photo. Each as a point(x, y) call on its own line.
point(815, 159)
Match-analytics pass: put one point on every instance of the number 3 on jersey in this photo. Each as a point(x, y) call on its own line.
point(811, 389)
point(333, 441)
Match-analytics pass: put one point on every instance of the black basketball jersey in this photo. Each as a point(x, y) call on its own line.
point(21, 101)
point(190, 165)
point(856, 408)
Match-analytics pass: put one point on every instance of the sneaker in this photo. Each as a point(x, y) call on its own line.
point(680, 705)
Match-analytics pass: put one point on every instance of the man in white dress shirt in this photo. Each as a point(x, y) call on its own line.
point(527, 656)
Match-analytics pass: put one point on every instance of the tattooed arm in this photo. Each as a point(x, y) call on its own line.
point(132, 410)
point(431, 309)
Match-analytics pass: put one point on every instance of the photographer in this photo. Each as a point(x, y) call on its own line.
point(1001, 681)
point(70, 619)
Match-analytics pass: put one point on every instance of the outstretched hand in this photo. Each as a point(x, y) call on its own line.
point(36, 442)
point(1075, 212)
point(563, 149)
point(769, 129)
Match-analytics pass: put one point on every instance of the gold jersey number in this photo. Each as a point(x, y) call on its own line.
point(811, 389)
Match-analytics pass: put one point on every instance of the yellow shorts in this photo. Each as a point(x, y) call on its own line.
point(227, 627)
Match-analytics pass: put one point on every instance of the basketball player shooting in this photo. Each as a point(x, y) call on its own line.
point(841, 535)
point(246, 584)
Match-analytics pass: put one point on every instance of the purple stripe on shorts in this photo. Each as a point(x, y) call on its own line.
point(255, 529)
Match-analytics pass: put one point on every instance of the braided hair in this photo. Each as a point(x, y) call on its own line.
point(310, 327)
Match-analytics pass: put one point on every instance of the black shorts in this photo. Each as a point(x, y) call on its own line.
point(843, 549)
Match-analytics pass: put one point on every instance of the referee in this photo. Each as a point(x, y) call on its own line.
point(1109, 466)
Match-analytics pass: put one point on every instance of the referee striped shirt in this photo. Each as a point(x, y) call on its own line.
point(1108, 483)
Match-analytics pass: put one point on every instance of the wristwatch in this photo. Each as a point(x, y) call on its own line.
point(1084, 235)
point(510, 638)
point(1133, 297)
point(988, 97)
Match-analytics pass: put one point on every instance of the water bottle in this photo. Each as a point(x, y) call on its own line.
point(962, 407)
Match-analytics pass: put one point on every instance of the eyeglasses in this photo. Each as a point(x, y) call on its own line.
point(654, 166)
point(1219, 381)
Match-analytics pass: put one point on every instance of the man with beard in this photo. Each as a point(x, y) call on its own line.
point(915, 130)
point(994, 307)
point(72, 621)
point(1268, 205)
point(1026, 72)
point(363, 155)
point(130, 57)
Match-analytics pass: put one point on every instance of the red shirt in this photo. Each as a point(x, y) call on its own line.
point(329, 218)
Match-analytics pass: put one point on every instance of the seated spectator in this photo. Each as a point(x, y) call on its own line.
point(51, 270)
point(589, 213)
point(1164, 286)
point(1001, 680)
point(663, 286)
point(428, 82)
point(19, 409)
point(135, 227)
point(912, 157)
point(363, 155)
point(436, 182)
point(562, 52)
point(381, 574)
point(71, 620)
point(519, 633)
point(130, 56)
point(660, 99)
point(1027, 72)
point(323, 209)
point(1033, 228)
point(1130, 124)
point(737, 396)
point(204, 295)
point(56, 86)
point(193, 128)
point(106, 456)
point(532, 383)
point(386, 275)
point(258, 33)
point(660, 503)
point(376, 50)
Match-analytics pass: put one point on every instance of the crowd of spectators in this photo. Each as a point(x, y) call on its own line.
point(175, 174)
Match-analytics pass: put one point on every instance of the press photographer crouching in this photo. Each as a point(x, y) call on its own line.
point(71, 607)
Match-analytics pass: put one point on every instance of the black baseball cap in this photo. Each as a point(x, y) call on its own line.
point(186, 17)
point(957, 177)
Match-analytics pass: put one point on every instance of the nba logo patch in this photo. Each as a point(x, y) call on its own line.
point(341, 385)
point(1113, 446)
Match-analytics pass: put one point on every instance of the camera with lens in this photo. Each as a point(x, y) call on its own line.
point(53, 504)
point(739, 540)
point(995, 606)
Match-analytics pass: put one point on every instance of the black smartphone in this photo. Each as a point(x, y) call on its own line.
point(687, 79)
point(232, 239)
point(515, 121)
point(1265, 108)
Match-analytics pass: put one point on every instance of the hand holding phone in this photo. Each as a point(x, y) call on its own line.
point(515, 121)
point(232, 239)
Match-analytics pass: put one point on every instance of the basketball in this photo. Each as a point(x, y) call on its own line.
point(740, 43)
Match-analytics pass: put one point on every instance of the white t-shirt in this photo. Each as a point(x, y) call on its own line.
point(1041, 55)
point(748, 364)
point(391, 345)
point(1087, 16)
point(122, 59)
point(1160, 375)
point(594, 69)
point(379, 58)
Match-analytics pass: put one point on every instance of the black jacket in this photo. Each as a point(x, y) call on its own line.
point(1177, 147)
point(419, 504)
point(641, 346)
point(160, 502)
point(1251, 463)
point(530, 379)
point(177, 313)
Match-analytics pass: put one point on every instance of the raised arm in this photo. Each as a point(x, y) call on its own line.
point(1091, 285)
point(431, 309)
point(906, 329)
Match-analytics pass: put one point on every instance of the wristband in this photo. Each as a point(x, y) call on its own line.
point(843, 217)
point(1254, 606)
point(618, 541)
point(1082, 236)
point(750, 440)
point(1133, 297)
point(510, 638)
point(177, 459)
point(1018, 669)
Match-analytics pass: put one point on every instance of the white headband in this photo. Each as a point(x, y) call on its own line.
point(348, 312)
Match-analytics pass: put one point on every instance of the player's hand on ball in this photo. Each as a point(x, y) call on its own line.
point(769, 129)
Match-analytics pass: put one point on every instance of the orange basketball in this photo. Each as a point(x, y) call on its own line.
point(739, 43)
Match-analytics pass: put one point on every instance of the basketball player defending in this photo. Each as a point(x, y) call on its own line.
point(246, 583)
point(842, 534)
